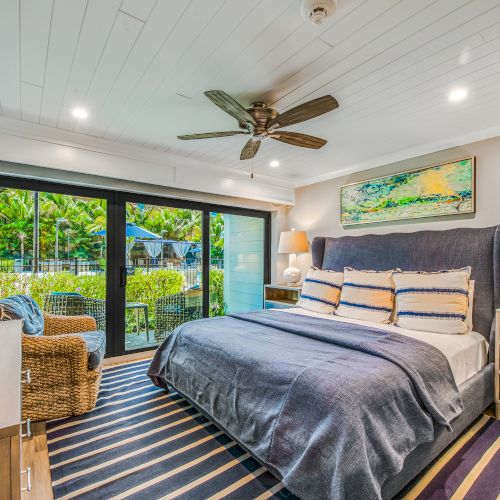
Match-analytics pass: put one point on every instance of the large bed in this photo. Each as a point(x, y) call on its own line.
point(341, 408)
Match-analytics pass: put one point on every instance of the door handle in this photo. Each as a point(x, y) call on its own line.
point(123, 276)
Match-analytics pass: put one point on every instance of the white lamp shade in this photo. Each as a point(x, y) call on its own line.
point(293, 242)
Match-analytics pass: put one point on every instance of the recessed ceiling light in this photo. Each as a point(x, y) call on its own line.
point(457, 95)
point(80, 113)
point(275, 163)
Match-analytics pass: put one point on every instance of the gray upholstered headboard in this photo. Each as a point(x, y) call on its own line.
point(425, 251)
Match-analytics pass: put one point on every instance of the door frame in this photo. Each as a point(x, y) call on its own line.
point(88, 192)
point(122, 198)
point(116, 238)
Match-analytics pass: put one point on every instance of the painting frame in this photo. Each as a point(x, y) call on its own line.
point(472, 159)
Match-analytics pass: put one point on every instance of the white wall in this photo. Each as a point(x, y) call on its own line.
point(317, 207)
point(70, 152)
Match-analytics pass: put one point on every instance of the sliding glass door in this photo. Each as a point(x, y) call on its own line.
point(140, 265)
point(52, 248)
point(164, 285)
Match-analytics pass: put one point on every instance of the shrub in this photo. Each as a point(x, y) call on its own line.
point(13, 284)
point(147, 288)
point(141, 287)
point(217, 305)
point(93, 286)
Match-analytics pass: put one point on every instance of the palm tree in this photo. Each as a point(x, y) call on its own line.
point(22, 237)
point(16, 220)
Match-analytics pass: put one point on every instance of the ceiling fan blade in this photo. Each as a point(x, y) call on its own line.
point(305, 111)
point(250, 149)
point(302, 140)
point(230, 106)
point(210, 135)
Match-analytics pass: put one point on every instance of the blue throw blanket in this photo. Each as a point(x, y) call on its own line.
point(333, 408)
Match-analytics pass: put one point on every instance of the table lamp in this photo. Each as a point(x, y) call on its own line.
point(292, 242)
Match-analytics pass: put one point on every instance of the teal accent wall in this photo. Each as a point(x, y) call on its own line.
point(243, 263)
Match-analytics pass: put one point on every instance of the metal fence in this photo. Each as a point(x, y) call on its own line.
point(78, 266)
point(75, 266)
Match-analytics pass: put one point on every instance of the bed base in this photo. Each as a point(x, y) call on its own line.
point(477, 394)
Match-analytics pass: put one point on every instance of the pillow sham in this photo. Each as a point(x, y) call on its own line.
point(321, 291)
point(367, 295)
point(433, 302)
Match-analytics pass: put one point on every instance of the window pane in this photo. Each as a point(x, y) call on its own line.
point(67, 274)
point(237, 263)
point(164, 272)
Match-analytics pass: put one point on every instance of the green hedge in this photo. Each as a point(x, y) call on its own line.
point(148, 288)
point(141, 287)
point(217, 305)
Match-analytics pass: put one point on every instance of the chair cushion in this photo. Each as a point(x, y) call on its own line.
point(24, 308)
point(96, 346)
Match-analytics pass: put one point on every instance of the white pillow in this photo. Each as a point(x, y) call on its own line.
point(433, 302)
point(367, 295)
point(321, 291)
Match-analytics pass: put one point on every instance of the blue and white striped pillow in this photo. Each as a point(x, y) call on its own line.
point(433, 302)
point(321, 291)
point(367, 295)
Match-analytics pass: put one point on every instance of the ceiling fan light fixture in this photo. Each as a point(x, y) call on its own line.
point(261, 122)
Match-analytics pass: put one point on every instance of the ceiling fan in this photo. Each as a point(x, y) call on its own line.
point(260, 122)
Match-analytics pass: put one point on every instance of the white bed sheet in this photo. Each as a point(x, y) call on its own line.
point(466, 354)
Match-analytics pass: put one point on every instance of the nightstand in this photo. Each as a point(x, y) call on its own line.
point(281, 296)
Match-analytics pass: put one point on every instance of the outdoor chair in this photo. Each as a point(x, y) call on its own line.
point(74, 304)
point(64, 355)
point(176, 309)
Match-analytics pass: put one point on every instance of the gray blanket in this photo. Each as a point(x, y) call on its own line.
point(333, 408)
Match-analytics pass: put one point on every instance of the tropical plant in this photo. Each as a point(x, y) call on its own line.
point(217, 304)
point(216, 235)
point(83, 217)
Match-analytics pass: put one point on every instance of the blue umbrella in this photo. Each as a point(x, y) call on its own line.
point(134, 231)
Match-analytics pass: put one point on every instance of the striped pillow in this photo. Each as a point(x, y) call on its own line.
point(321, 291)
point(367, 295)
point(433, 302)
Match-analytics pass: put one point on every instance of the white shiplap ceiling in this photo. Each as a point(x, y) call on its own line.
point(140, 68)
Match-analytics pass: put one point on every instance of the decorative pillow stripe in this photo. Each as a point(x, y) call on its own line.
point(434, 302)
point(370, 287)
point(367, 295)
point(445, 291)
point(321, 291)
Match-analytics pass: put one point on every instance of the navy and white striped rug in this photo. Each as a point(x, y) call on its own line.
point(142, 442)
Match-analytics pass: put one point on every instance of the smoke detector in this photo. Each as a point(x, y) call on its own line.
point(317, 11)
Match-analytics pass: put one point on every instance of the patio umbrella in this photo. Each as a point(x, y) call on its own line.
point(133, 231)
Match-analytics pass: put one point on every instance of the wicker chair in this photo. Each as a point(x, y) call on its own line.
point(64, 381)
point(176, 309)
point(75, 304)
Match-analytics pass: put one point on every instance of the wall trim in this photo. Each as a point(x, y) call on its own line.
point(406, 154)
point(31, 143)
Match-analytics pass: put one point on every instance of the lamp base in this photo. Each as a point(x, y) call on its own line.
point(291, 275)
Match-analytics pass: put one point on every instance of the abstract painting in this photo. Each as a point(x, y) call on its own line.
point(444, 189)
